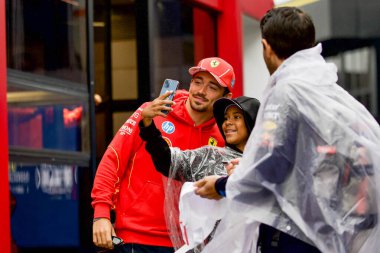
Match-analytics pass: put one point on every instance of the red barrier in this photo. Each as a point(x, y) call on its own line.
point(5, 237)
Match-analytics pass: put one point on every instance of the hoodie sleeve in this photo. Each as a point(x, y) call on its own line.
point(171, 162)
point(195, 164)
point(157, 147)
point(113, 165)
point(183, 165)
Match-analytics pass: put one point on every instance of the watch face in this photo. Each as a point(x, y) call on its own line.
point(116, 241)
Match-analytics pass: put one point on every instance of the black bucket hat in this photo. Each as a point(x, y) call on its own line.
point(250, 107)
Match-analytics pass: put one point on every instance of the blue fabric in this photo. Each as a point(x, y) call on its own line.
point(220, 186)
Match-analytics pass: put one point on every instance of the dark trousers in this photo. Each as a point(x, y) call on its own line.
point(139, 248)
point(272, 240)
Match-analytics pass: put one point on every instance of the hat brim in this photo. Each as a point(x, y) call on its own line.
point(194, 70)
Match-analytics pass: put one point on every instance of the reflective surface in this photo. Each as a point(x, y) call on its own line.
point(41, 119)
point(47, 38)
point(183, 35)
point(48, 124)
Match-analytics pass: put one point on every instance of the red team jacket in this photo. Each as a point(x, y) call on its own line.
point(127, 181)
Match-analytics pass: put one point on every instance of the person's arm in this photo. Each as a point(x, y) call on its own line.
point(271, 154)
point(273, 169)
point(183, 165)
point(156, 108)
point(157, 147)
point(215, 187)
point(211, 187)
point(186, 165)
point(109, 173)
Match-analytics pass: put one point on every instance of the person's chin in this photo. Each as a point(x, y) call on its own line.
point(200, 107)
point(199, 101)
point(230, 139)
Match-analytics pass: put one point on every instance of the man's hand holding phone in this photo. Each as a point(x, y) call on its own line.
point(169, 85)
point(102, 232)
point(161, 106)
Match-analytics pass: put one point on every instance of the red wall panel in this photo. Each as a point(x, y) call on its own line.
point(230, 42)
point(256, 8)
point(204, 35)
point(5, 238)
point(213, 4)
point(230, 33)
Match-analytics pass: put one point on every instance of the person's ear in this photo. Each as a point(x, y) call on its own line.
point(264, 43)
point(266, 47)
point(228, 95)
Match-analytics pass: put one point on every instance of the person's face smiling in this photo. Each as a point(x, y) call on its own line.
point(204, 91)
point(234, 127)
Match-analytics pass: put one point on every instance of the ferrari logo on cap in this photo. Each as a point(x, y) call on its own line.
point(212, 141)
point(214, 63)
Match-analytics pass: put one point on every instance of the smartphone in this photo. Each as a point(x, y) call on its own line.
point(117, 241)
point(169, 85)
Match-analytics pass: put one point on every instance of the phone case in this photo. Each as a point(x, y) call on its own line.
point(169, 85)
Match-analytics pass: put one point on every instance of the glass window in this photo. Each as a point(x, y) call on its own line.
point(41, 118)
point(47, 75)
point(46, 127)
point(48, 123)
point(123, 51)
point(183, 34)
point(357, 72)
point(48, 38)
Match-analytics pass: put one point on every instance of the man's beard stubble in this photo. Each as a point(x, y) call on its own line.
point(195, 106)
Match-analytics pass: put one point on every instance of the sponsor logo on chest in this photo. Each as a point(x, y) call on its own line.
point(168, 127)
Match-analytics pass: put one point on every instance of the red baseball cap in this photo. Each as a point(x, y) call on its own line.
point(221, 70)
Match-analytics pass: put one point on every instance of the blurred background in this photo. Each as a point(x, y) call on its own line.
point(74, 70)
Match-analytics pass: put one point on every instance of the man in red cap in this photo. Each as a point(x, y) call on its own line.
point(126, 180)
